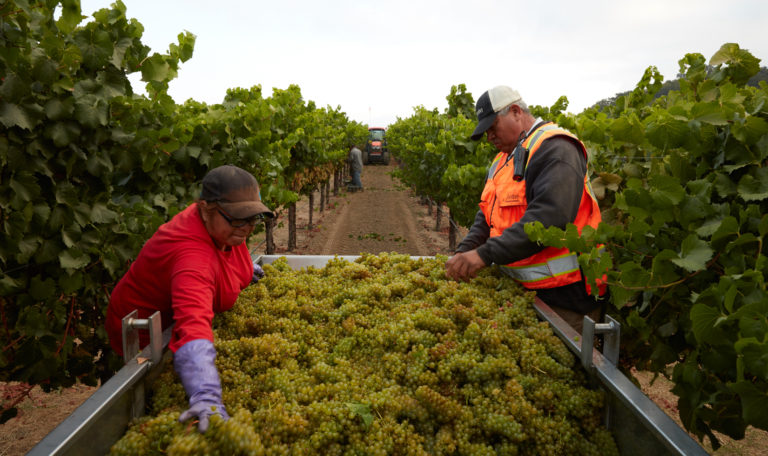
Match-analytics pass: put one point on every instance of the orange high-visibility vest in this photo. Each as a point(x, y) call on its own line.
point(503, 202)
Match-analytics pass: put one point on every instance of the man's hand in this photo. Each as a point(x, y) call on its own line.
point(464, 266)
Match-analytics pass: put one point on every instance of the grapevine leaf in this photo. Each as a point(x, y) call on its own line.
point(112, 83)
point(71, 283)
point(634, 275)
point(48, 251)
point(710, 113)
point(66, 194)
point(729, 297)
point(724, 185)
point(635, 321)
point(744, 239)
point(12, 115)
point(694, 210)
point(731, 94)
point(763, 227)
point(762, 147)
point(82, 213)
point(720, 230)
point(44, 69)
point(636, 201)
point(14, 88)
point(155, 68)
point(668, 187)
point(605, 181)
point(704, 319)
point(632, 170)
point(92, 111)
point(662, 271)
point(741, 64)
point(63, 133)
point(754, 188)
point(754, 403)
point(95, 47)
point(25, 186)
point(57, 109)
point(591, 131)
point(667, 329)
point(42, 289)
point(121, 136)
point(753, 129)
point(184, 50)
point(121, 47)
point(27, 247)
point(73, 258)
point(694, 254)
point(753, 319)
point(627, 130)
point(665, 132)
point(101, 214)
point(363, 411)
point(70, 16)
point(9, 285)
point(755, 355)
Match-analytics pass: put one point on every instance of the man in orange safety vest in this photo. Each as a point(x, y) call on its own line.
point(539, 174)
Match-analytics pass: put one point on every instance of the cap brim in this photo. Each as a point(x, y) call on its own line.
point(247, 209)
point(482, 126)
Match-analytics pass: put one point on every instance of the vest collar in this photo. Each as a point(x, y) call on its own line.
point(536, 124)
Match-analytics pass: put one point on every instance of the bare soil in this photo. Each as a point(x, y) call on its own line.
point(384, 217)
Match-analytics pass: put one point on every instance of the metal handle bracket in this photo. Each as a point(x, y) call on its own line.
point(131, 327)
point(611, 331)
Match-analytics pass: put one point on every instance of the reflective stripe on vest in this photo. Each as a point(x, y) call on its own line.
point(553, 267)
point(535, 140)
point(494, 165)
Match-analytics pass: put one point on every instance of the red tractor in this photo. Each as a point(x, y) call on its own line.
point(376, 148)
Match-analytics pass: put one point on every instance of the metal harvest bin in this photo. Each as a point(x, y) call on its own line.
point(638, 425)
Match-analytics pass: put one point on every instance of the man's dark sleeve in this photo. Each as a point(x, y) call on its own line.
point(477, 235)
point(554, 186)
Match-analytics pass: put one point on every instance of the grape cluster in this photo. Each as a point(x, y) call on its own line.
point(383, 356)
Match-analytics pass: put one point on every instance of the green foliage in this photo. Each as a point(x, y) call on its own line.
point(89, 170)
point(460, 102)
point(438, 158)
point(73, 172)
point(686, 175)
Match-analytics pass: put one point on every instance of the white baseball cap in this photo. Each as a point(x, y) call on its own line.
point(488, 106)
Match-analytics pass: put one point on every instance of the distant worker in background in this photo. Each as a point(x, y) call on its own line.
point(539, 174)
point(193, 267)
point(355, 160)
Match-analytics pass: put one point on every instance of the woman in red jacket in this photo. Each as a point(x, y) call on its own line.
point(193, 267)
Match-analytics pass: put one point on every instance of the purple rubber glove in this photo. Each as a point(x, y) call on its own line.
point(258, 273)
point(195, 364)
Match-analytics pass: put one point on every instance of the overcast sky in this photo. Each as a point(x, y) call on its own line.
point(379, 59)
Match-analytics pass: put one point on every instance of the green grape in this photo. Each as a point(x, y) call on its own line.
point(383, 356)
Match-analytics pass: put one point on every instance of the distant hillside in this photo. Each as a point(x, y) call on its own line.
point(669, 86)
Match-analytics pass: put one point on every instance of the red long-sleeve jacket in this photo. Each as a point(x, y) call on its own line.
point(181, 273)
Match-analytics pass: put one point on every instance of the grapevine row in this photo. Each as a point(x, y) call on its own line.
point(89, 170)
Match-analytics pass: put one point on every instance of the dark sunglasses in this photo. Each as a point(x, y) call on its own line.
point(237, 223)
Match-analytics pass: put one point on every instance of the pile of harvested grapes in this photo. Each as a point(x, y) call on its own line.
point(383, 356)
